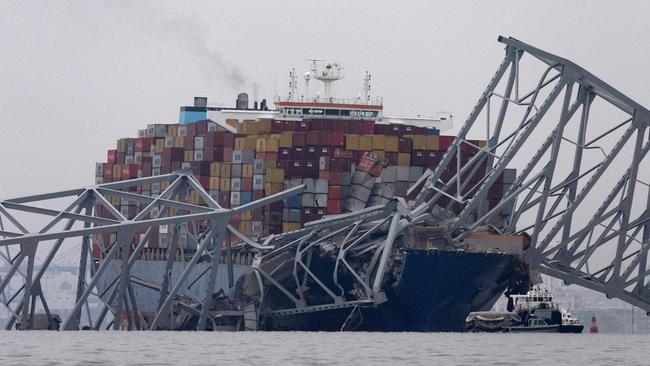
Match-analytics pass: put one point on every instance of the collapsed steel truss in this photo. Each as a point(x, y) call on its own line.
point(169, 208)
point(577, 234)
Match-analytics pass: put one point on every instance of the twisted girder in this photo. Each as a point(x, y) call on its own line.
point(582, 187)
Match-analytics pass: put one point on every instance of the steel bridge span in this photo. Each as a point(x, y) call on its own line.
point(581, 193)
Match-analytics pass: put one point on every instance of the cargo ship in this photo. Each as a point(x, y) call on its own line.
point(349, 156)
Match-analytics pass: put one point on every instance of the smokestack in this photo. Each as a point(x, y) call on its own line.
point(200, 101)
point(242, 101)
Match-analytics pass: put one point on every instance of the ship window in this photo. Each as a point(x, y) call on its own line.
point(331, 112)
point(345, 113)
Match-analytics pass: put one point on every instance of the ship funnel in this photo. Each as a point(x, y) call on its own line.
point(242, 101)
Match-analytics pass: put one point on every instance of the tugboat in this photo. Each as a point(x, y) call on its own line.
point(533, 312)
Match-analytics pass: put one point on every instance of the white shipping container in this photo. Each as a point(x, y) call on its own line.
point(258, 181)
point(212, 127)
point(235, 198)
point(99, 169)
point(155, 171)
point(156, 161)
point(155, 188)
point(235, 184)
point(320, 200)
point(310, 186)
point(198, 142)
point(321, 186)
point(258, 166)
point(236, 156)
point(128, 159)
point(169, 141)
point(142, 133)
point(186, 165)
point(163, 229)
point(403, 173)
point(307, 200)
point(198, 155)
point(182, 130)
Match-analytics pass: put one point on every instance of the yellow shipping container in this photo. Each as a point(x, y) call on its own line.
point(264, 126)
point(214, 183)
point(432, 142)
point(164, 185)
point(379, 153)
point(352, 142)
point(250, 142)
point(290, 226)
point(247, 170)
point(240, 142)
point(225, 171)
point(482, 143)
point(246, 216)
point(117, 171)
point(403, 159)
point(365, 142)
point(275, 175)
point(224, 184)
point(233, 123)
point(391, 144)
point(273, 188)
point(378, 142)
point(195, 198)
point(179, 141)
point(188, 155)
point(215, 169)
point(245, 228)
point(419, 142)
point(160, 145)
point(286, 139)
point(172, 130)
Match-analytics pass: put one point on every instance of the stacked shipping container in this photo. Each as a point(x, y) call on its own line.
point(345, 165)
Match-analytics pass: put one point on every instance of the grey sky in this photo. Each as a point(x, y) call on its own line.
point(76, 76)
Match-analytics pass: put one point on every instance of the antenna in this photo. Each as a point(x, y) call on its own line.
point(366, 87)
point(293, 85)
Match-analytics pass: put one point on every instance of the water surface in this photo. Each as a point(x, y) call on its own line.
point(298, 348)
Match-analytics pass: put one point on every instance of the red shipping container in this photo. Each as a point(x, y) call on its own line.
point(337, 138)
point(108, 171)
point(258, 194)
point(391, 157)
point(335, 192)
point(445, 142)
point(200, 168)
point(315, 124)
point(341, 125)
point(324, 138)
point(146, 169)
point(201, 127)
point(367, 127)
point(176, 165)
point(256, 214)
point(212, 139)
point(191, 130)
point(188, 143)
point(404, 145)
point(312, 138)
point(334, 206)
point(227, 154)
point(294, 168)
point(299, 139)
point(111, 156)
point(214, 153)
point(129, 171)
point(204, 180)
point(246, 184)
point(302, 126)
point(341, 164)
point(119, 157)
point(381, 129)
point(335, 178)
point(143, 144)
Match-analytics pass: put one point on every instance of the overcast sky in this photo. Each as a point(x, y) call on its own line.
point(75, 76)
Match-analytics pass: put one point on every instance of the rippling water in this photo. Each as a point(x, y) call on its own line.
point(203, 348)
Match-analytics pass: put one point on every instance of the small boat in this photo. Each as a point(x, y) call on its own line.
point(534, 325)
point(534, 311)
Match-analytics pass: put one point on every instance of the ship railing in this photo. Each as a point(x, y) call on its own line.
point(184, 255)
